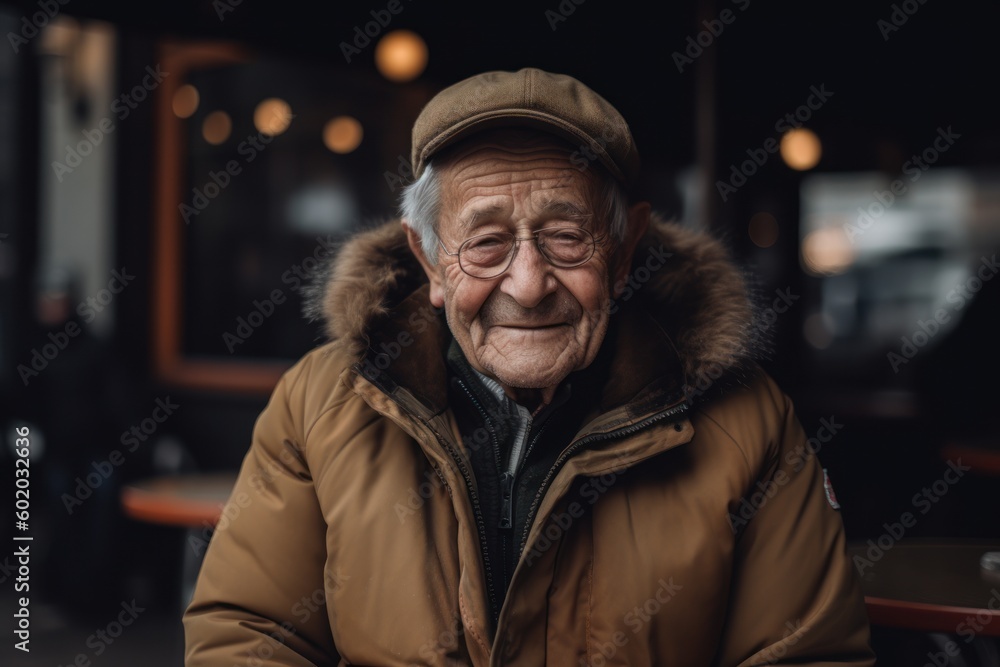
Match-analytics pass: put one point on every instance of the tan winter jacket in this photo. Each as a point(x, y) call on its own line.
point(687, 524)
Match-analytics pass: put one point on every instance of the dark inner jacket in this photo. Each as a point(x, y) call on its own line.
point(488, 430)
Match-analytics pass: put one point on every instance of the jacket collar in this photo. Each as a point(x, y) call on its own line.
point(685, 317)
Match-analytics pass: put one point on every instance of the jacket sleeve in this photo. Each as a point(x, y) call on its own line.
point(795, 596)
point(261, 595)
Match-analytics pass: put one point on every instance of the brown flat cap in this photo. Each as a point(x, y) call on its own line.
point(554, 103)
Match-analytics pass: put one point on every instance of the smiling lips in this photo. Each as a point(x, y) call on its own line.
point(532, 326)
point(555, 310)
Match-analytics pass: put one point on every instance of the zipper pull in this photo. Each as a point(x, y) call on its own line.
point(507, 503)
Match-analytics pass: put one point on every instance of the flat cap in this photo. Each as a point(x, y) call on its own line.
point(554, 103)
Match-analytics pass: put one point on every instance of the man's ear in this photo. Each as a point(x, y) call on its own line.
point(638, 223)
point(433, 271)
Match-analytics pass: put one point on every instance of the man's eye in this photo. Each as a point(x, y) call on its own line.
point(566, 236)
point(486, 243)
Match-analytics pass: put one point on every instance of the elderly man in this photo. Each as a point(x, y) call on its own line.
point(537, 436)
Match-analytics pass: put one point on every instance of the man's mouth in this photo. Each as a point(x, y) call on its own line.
point(522, 325)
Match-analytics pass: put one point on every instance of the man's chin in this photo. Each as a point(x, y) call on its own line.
point(529, 374)
point(533, 360)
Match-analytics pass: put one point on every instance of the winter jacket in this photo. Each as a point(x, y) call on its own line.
point(687, 523)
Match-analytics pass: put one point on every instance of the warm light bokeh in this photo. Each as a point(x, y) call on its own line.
point(185, 101)
point(216, 127)
point(272, 116)
point(801, 149)
point(401, 56)
point(342, 134)
point(827, 251)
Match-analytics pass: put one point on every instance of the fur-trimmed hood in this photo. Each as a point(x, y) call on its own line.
point(700, 297)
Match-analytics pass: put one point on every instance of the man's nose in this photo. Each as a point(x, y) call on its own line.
point(529, 278)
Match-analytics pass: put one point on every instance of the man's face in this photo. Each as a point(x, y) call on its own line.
point(535, 323)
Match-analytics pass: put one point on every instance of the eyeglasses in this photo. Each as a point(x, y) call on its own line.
point(489, 255)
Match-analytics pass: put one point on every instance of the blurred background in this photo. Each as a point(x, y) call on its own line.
point(171, 174)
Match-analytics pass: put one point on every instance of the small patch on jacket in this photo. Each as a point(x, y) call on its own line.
point(831, 497)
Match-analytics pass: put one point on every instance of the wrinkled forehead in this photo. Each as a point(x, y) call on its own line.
point(522, 163)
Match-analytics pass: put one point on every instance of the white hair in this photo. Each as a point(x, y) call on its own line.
point(420, 206)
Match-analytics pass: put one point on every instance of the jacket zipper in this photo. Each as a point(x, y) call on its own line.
point(511, 477)
point(573, 448)
point(480, 521)
point(508, 481)
point(507, 507)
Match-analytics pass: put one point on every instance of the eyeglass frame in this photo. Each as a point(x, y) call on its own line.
point(594, 240)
